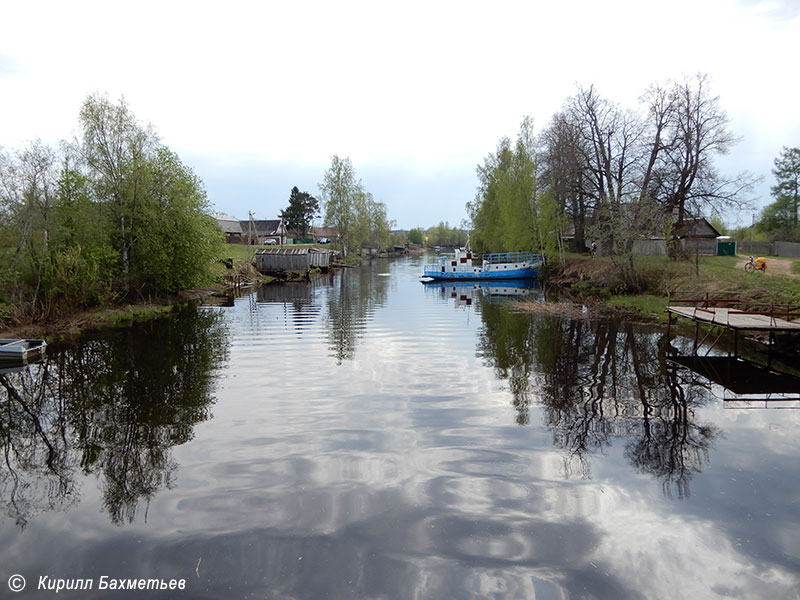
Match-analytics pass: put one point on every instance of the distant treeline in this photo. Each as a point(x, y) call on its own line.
point(113, 215)
point(438, 235)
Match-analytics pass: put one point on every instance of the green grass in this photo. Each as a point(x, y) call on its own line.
point(238, 251)
point(121, 317)
point(659, 276)
point(721, 273)
point(647, 305)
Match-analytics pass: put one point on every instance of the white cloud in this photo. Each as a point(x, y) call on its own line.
point(417, 84)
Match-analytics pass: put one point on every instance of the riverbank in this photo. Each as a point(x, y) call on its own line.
point(234, 269)
point(591, 287)
point(239, 272)
point(97, 318)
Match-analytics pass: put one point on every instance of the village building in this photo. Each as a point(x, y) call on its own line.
point(325, 233)
point(231, 228)
point(264, 232)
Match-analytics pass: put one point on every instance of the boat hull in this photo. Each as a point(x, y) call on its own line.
point(527, 272)
point(14, 349)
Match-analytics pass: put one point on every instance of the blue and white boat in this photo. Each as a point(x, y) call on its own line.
point(503, 265)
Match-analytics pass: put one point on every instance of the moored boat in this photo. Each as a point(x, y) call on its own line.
point(14, 349)
point(503, 265)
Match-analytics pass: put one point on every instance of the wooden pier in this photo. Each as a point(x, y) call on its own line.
point(728, 312)
point(736, 319)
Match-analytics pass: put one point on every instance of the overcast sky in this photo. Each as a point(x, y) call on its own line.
point(257, 96)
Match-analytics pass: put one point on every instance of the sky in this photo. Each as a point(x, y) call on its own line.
point(258, 96)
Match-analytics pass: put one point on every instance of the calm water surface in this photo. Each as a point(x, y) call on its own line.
point(368, 437)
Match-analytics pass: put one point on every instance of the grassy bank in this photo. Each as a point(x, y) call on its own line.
point(596, 282)
point(242, 271)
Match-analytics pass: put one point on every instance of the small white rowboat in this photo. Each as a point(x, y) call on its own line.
point(21, 349)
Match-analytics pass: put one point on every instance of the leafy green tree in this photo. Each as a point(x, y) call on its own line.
point(517, 194)
point(156, 204)
point(779, 220)
point(180, 241)
point(787, 174)
point(380, 234)
point(115, 148)
point(302, 209)
point(416, 236)
point(484, 211)
point(116, 212)
point(444, 235)
point(82, 258)
point(505, 211)
point(338, 191)
point(551, 226)
point(351, 209)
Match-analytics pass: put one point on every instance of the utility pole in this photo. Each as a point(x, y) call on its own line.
point(251, 229)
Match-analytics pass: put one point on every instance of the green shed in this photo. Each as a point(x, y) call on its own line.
point(726, 248)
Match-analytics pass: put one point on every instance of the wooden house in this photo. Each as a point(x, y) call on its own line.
point(697, 235)
point(264, 231)
point(231, 227)
point(328, 233)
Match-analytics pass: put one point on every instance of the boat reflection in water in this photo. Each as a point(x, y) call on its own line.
point(464, 293)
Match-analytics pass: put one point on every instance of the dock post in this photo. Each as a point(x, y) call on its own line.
point(669, 326)
point(769, 349)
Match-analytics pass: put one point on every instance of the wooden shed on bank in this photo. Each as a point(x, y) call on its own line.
point(697, 235)
point(298, 260)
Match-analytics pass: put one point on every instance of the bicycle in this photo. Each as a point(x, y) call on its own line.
point(756, 264)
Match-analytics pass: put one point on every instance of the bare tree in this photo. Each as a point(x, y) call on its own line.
point(563, 172)
point(690, 130)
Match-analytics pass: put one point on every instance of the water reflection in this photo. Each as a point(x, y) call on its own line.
point(600, 380)
point(533, 467)
point(38, 471)
point(111, 406)
point(351, 301)
point(464, 293)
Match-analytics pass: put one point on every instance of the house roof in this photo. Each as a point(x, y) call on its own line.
point(263, 226)
point(228, 224)
point(699, 227)
point(328, 232)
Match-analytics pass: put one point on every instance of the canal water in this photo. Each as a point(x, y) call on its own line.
point(365, 436)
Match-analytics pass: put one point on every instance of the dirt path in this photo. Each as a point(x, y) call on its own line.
point(775, 266)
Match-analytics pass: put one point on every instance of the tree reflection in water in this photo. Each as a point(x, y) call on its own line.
point(113, 406)
point(351, 301)
point(600, 380)
point(38, 468)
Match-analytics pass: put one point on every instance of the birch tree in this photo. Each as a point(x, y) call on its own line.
point(339, 191)
point(114, 147)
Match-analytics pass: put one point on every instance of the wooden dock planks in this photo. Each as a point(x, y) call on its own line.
point(734, 319)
